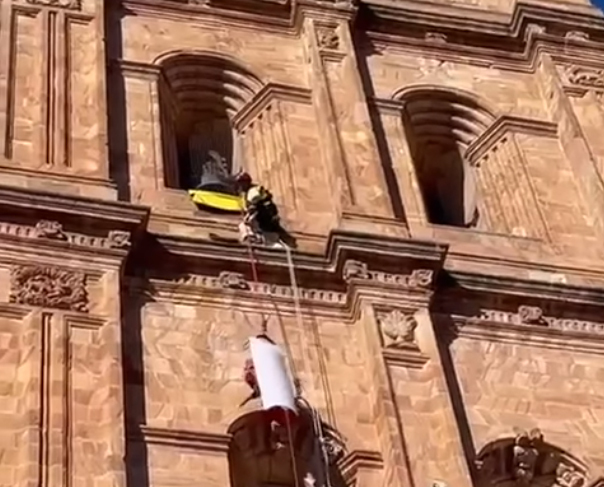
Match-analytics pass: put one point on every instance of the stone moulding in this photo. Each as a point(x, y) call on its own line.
point(267, 94)
point(397, 334)
point(418, 279)
point(354, 462)
point(236, 282)
point(49, 287)
point(190, 440)
point(64, 4)
point(529, 326)
point(53, 230)
point(525, 61)
point(534, 316)
point(507, 124)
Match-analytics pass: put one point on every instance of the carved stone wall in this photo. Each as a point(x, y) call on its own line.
point(515, 368)
point(432, 353)
point(52, 94)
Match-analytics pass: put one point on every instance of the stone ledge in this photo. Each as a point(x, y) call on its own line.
point(46, 204)
point(192, 440)
point(549, 334)
point(529, 289)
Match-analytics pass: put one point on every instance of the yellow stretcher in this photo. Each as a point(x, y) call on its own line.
point(217, 201)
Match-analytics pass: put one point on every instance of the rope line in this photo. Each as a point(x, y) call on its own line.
point(289, 355)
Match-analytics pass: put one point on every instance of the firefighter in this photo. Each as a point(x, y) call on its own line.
point(261, 214)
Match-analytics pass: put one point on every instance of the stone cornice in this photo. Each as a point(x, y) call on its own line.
point(530, 289)
point(393, 255)
point(271, 16)
point(357, 284)
point(51, 234)
point(190, 440)
point(355, 461)
point(504, 125)
point(513, 38)
point(474, 20)
point(513, 44)
point(47, 204)
point(547, 332)
point(8, 168)
point(50, 225)
point(268, 93)
point(12, 311)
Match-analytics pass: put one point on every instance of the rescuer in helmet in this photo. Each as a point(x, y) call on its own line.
point(261, 214)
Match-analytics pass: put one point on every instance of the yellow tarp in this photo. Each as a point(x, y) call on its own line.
point(217, 201)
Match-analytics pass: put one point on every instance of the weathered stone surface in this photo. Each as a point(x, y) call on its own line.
point(124, 330)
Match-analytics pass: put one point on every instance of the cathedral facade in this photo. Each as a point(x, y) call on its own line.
point(441, 166)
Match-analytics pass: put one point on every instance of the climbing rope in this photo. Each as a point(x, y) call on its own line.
point(317, 427)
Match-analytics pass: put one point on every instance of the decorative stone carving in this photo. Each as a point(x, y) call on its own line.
point(534, 29)
point(568, 476)
point(528, 460)
point(419, 278)
point(67, 4)
point(233, 280)
point(577, 35)
point(530, 315)
point(54, 230)
point(436, 37)
point(353, 269)
point(327, 37)
point(173, 286)
point(118, 239)
point(398, 329)
point(49, 287)
point(49, 229)
point(587, 77)
point(526, 453)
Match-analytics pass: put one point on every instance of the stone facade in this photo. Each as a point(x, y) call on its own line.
point(441, 165)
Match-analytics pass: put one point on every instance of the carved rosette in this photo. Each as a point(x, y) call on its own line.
point(49, 287)
point(66, 4)
point(398, 329)
point(328, 38)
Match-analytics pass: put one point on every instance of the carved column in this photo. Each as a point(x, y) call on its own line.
point(585, 88)
point(413, 412)
point(71, 377)
point(343, 116)
point(146, 171)
point(413, 363)
point(574, 144)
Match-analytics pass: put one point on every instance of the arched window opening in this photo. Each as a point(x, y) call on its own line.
point(528, 461)
point(199, 96)
point(440, 125)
